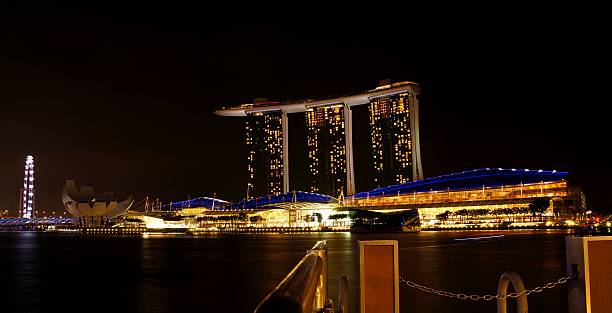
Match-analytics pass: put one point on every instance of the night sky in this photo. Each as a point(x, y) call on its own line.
point(122, 97)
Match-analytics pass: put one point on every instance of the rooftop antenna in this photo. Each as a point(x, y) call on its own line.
point(383, 82)
point(214, 197)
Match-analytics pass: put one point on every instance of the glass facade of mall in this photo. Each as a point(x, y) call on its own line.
point(486, 194)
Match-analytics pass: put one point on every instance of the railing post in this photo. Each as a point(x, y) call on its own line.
point(343, 294)
point(502, 290)
point(379, 276)
point(304, 289)
point(320, 250)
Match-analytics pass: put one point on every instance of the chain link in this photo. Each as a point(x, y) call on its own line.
point(463, 296)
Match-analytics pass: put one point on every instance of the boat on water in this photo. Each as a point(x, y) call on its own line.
point(376, 222)
point(485, 237)
point(382, 228)
point(411, 229)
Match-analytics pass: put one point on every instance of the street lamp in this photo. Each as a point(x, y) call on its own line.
point(587, 213)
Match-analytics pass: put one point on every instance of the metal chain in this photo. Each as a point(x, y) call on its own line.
point(463, 296)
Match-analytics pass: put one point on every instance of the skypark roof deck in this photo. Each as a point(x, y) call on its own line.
point(303, 106)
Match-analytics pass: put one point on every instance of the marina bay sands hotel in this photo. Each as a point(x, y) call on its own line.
point(394, 126)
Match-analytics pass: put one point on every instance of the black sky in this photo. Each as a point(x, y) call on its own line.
point(121, 97)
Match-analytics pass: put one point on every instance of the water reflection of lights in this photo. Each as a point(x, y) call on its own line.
point(479, 238)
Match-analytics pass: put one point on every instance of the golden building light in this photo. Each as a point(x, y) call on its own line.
point(264, 143)
point(392, 123)
point(326, 148)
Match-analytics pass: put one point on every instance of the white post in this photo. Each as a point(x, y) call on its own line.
point(285, 127)
point(348, 138)
point(417, 167)
point(502, 290)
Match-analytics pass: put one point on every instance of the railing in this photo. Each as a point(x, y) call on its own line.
point(507, 278)
point(304, 289)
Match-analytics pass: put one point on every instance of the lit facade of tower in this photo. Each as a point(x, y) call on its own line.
point(26, 198)
point(326, 148)
point(395, 139)
point(392, 139)
point(264, 142)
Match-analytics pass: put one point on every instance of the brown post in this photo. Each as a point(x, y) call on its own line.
point(379, 276)
point(590, 257)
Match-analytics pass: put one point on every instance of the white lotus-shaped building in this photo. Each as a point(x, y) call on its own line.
point(89, 209)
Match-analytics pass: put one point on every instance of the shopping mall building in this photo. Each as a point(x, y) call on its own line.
point(490, 195)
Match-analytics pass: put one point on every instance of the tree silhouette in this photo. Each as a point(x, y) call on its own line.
point(318, 216)
point(538, 206)
point(256, 219)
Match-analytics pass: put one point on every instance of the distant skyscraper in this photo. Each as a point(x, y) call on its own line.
point(26, 198)
point(392, 138)
point(264, 142)
point(326, 149)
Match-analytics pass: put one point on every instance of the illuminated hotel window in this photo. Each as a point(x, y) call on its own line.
point(264, 148)
point(326, 149)
point(391, 142)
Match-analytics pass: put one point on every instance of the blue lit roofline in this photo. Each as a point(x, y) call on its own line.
point(416, 184)
point(454, 177)
point(223, 203)
point(480, 169)
point(179, 203)
point(492, 169)
point(290, 192)
point(280, 198)
point(206, 198)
